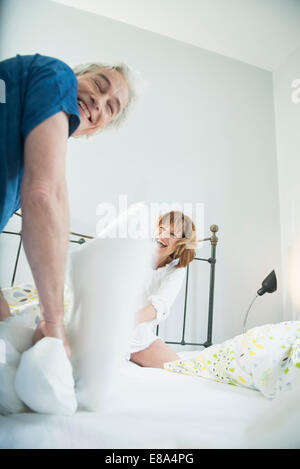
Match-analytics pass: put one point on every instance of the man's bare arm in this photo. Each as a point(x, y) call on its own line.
point(44, 202)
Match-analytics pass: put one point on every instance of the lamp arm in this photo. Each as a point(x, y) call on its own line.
point(246, 317)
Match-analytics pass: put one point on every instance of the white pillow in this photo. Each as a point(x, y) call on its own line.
point(108, 276)
point(9, 401)
point(15, 337)
point(44, 379)
point(32, 370)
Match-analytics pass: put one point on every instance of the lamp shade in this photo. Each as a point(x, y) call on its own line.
point(269, 285)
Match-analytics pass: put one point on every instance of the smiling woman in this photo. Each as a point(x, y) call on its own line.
point(174, 244)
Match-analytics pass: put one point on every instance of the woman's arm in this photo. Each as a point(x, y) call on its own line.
point(146, 314)
point(161, 301)
point(164, 297)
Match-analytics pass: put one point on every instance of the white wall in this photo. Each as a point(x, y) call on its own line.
point(203, 132)
point(287, 112)
point(223, 26)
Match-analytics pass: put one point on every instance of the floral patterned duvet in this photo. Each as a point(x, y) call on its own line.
point(266, 359)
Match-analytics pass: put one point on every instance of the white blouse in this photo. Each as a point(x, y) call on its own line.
point(161, 291)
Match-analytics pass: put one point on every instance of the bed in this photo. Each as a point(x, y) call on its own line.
point(145, 407)
point(149, 408)
point(154, 409)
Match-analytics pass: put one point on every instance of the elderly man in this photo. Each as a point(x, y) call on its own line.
point(46, 102)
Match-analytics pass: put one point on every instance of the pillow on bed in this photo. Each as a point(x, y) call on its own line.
point(9, 400)
point(266, 359)
point(39, 376)
point(107, 278)
point(44, 378)
point(15, 337)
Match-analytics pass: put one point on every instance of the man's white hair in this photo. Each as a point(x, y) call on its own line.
point(132, 80)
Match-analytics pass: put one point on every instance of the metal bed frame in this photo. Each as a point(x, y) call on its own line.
point(81, 240)
point(211, 261)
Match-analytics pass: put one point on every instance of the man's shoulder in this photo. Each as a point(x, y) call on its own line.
point(58, 65)
point(35, 64)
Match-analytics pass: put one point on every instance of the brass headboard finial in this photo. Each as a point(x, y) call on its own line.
point(214, 239)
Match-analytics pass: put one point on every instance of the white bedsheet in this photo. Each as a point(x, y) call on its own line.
point(148, 408)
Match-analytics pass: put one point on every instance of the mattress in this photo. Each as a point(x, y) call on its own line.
point(147, 408)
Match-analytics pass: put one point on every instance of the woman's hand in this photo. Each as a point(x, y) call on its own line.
point(52, 329)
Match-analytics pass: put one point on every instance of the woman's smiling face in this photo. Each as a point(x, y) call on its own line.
point(165, 239)
point(102, 95)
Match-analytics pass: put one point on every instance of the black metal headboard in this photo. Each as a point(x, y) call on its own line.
point(81, 240)
point(211, 260)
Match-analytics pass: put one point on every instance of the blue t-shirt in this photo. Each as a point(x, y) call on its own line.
point(36, 87)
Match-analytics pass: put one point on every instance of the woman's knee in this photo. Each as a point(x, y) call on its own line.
point(155, 355)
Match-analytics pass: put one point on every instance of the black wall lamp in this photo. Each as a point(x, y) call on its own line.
point(269, 285)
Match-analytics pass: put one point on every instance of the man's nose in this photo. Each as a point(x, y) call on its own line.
point(100, 101)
